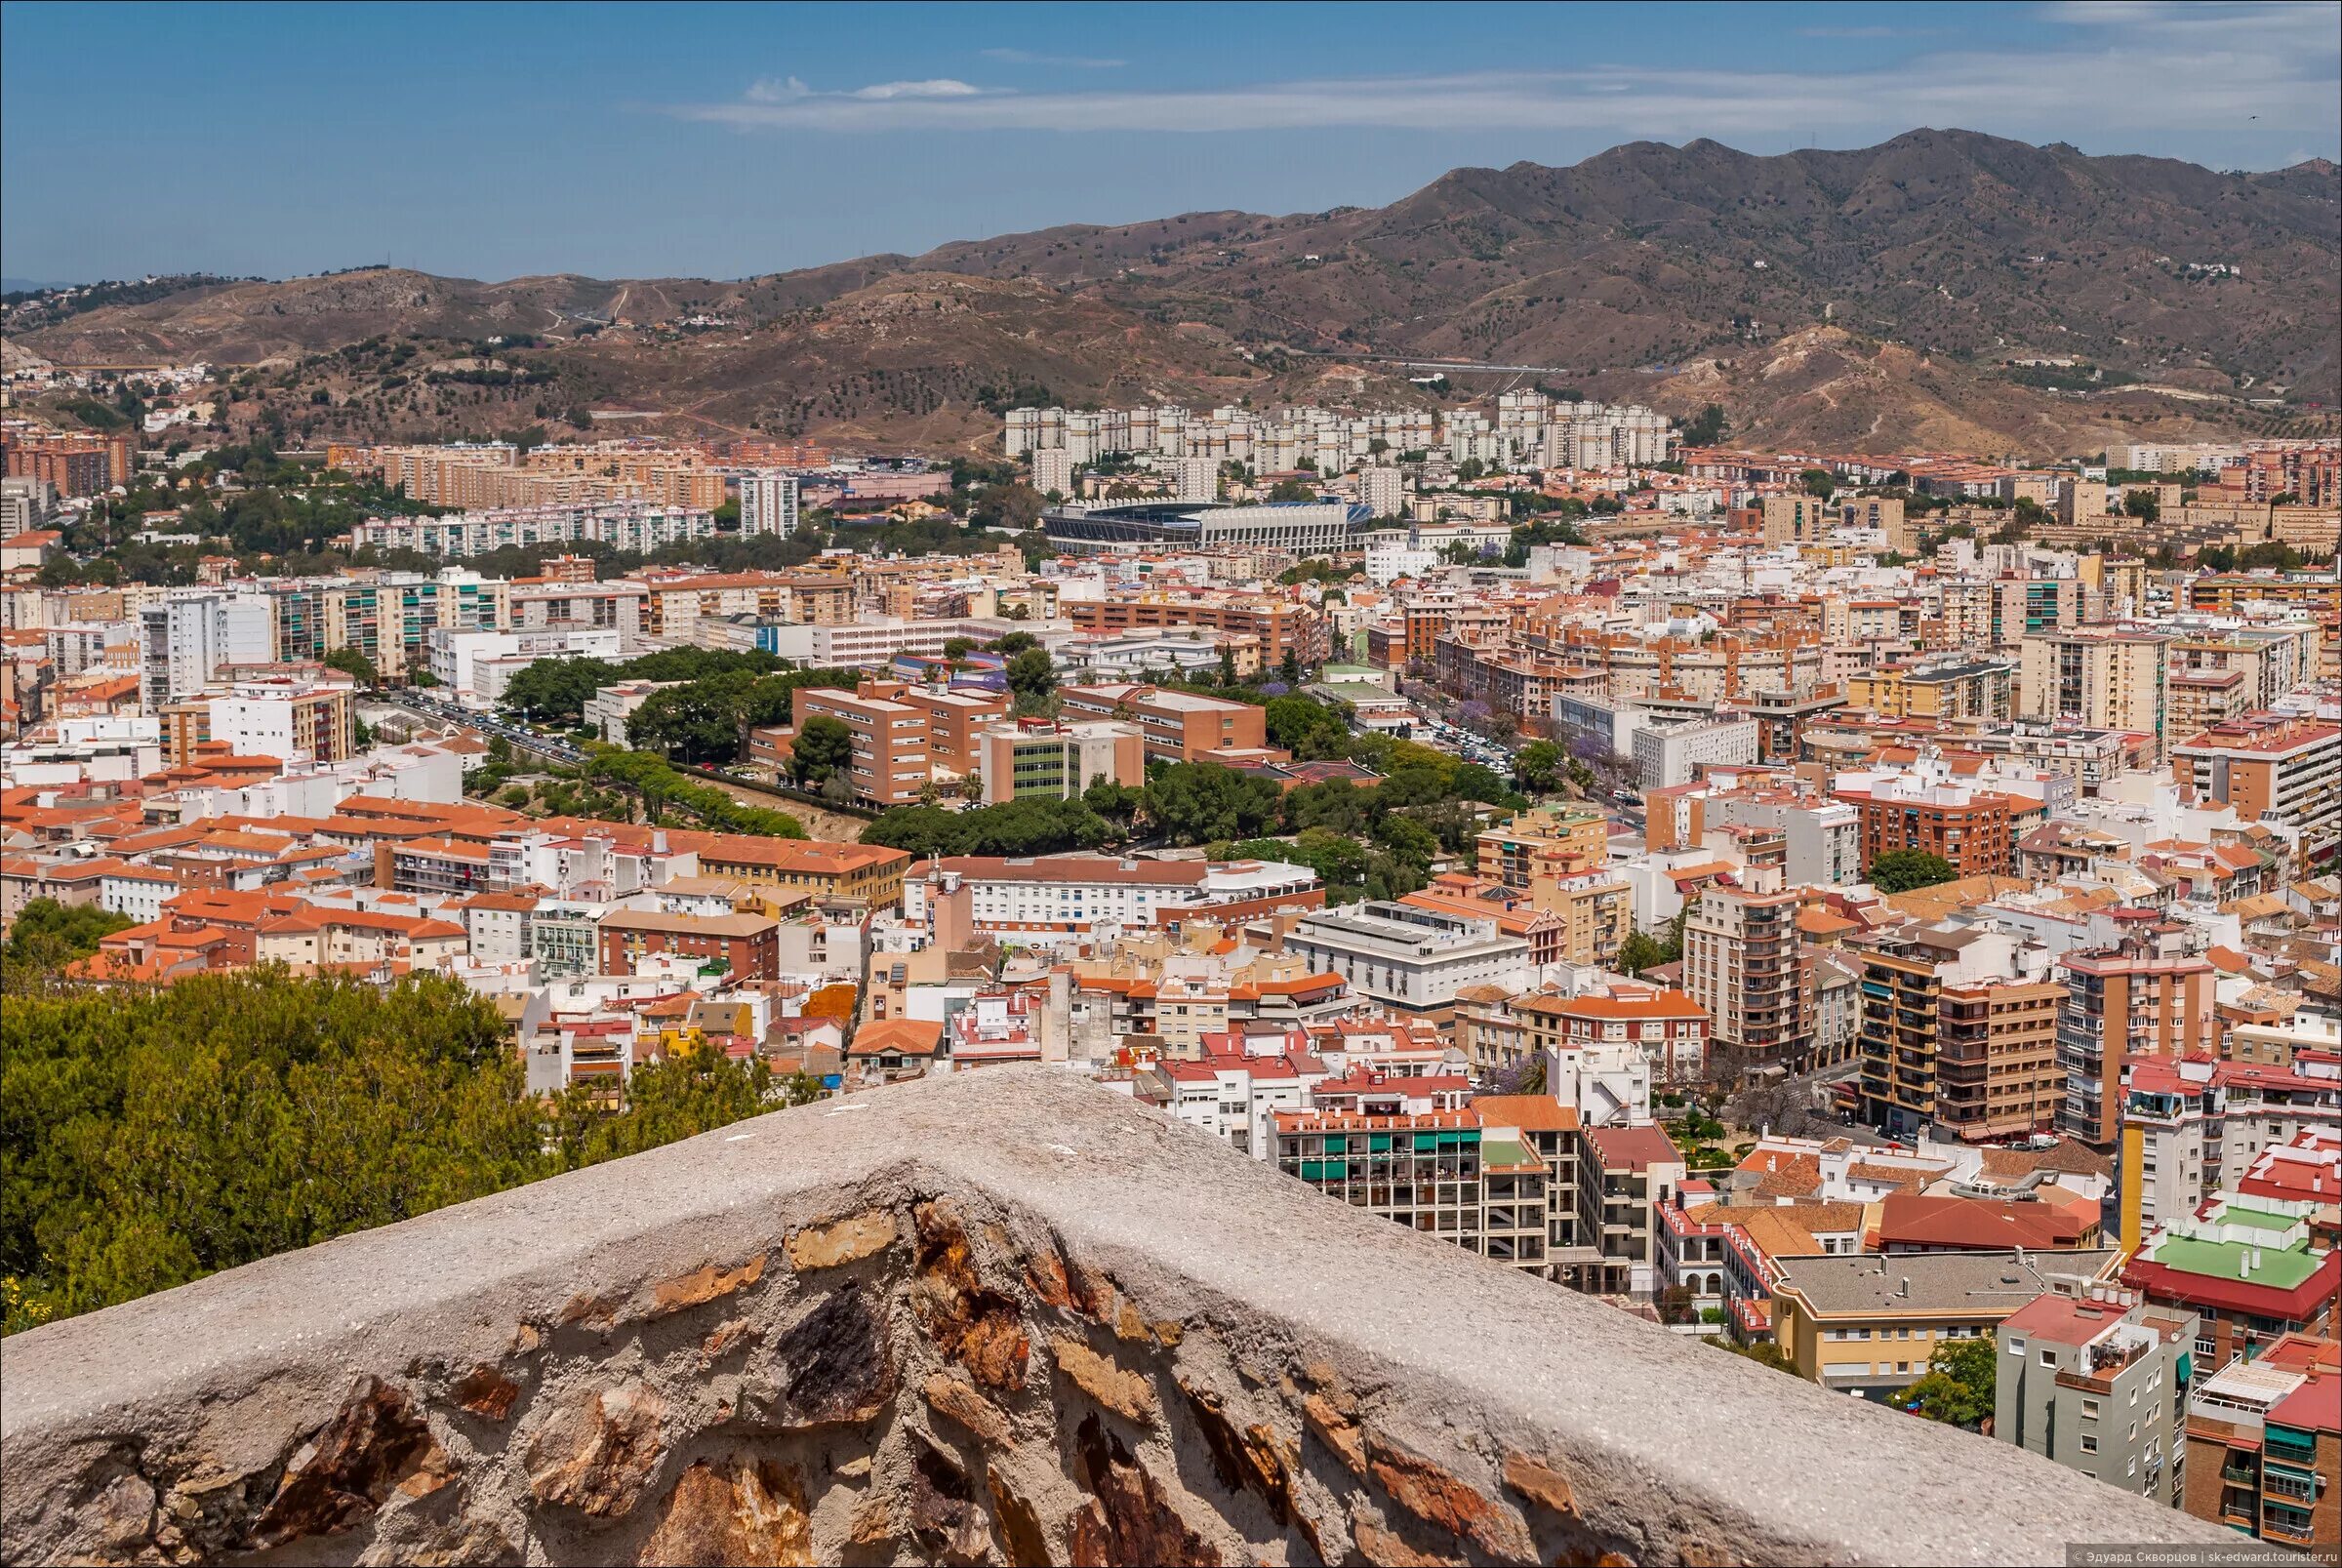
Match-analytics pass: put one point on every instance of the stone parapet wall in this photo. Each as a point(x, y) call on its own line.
point(1002, 1317)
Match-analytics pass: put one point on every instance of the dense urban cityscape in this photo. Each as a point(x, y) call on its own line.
point(1865, 914)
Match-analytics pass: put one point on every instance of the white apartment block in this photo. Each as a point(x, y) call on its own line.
point(1057, 895)
point(1053, 471)
point(636, 526)
point(768, 503)
point(1409, 958)
point(184, 642)
point(1671, 754)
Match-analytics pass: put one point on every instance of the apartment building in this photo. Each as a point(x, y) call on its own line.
point(1742, 966)
point(285, 716)
point(1965, 689)
point(1282, 628)
point(891, 760)
point(2274, 768)
point(2191, 1126)
point(1046, 759)
point(1676, 750)
point(1408, 957)
point(1175, 726)
point(955, 724)
point(1624, 1174)
point(632, 526)
point(2103, 678)
point(2264, 1445)
point(768, 503)
point(867, 876)
point(1667, 1027)
point(1959, 1031)
point(1932, 812)
point(748, 946)
point(1866, 1324)
point(1537, 847)
point(1056, 894)
point(185, 641)
point(2099, 1382)
point(2249, 1266)
point(1441, 1173)
point(2121, 1004)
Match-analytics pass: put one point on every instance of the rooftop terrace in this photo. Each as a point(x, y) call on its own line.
point(1003, 1317)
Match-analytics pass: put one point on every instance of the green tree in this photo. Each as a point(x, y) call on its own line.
point(48, 935)
point(1958, 1386)
point(1306, 727)
point(824, 746)
point(1205, 802)
point(148, 1137)
point(1818, 482)
point(354, 663)
point(2142, 504)
point(1707, 430)
point(1899, 870)
point(1537, 767)
point(1292, 490)
point(1031, 673)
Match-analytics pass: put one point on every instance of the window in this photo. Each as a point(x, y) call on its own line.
point(2090, 1408)
point(2090, 1443)
point(2048, 1358)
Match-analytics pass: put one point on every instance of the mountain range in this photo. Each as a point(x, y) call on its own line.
point(1944, 290)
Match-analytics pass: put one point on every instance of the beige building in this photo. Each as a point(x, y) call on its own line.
point(2100, 677)
point(1023, 759)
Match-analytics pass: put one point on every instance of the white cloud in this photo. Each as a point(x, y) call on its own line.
point(936, 87)
point(2281, 63)
point(1070, 62)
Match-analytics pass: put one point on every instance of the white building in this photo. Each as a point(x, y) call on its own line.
point(607, 711)
point(1058, 894)
point(478, 663)
point(768, 503)
point(1384, 491)
point(1671, 754)
point(1053, 471)
point(185, 641)
point(1407, 956)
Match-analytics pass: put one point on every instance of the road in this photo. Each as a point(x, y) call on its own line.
point(423, 705)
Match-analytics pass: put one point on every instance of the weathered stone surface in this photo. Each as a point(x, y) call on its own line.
point(734, 1334)
point(1126, 1394)
point(849, 1240)
point(115, 1512)
point(1332, 1419)
point(486, 1392)
point(1059, 1282)
point(1541, 1483)
point(1128, 1519)
point(833, 1364)
point(1254, 1459)
point(589, 1310)
point(1015, 1522)
point(701, 1285)
point(1387, 1549)
point(939, 1507)
point(596, 1453)
point(733, 1512)
point(979, 1327)
point(473, 1543)
point(961, 1402)
point(377, 1442)
point(1438, 1498)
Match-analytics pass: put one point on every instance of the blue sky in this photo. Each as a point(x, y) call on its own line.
point(721, 141)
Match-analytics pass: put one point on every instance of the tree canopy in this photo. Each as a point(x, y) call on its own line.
point(1899, 870)
point(150, 1138)
point(1958, 1386)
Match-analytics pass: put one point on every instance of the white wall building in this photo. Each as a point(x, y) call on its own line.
point(768, 503)
point(1409, 958)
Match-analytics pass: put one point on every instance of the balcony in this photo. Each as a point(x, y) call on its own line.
point(1003, 1288)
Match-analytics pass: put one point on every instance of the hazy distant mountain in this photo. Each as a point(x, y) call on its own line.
point(1869, 298)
